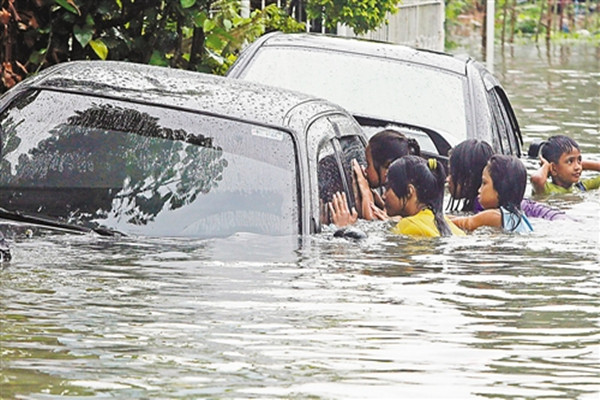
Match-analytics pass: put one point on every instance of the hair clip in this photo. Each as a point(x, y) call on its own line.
point(432, 162)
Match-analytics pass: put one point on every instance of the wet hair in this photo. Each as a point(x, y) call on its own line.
point(467, 161)
point(556, 146)
point(390, 144)
point(428, 177)
point(509, 178)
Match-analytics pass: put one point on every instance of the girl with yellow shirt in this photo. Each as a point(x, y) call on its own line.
point(415, 191)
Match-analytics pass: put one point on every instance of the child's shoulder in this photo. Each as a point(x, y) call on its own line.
point(513, 221)
point(553, 188)
point(591, 183)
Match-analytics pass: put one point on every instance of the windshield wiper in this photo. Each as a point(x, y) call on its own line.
point(52, 223)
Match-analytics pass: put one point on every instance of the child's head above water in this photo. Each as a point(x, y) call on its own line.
point(556, 146)
point(412, 177)
point(503, 183)
point(564, 157)
point(467, 161)
point(384, 147)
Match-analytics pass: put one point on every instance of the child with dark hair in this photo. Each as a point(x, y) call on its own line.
point(561, 159)
point(383, 148)
point(467, 161)
point(415, 191)
point(503, 183)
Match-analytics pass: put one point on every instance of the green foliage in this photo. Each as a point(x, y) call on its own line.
point(525, 25)
point(277, 19)
point(456, 7)
point(202, 35)
point(581, 25)
point(360, 15)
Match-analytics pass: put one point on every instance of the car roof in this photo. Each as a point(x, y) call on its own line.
point(373, 48)
point(177, 88)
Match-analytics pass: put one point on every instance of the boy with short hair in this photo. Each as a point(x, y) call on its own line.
point(561, 159)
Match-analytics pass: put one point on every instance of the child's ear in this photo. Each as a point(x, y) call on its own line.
point(553, 169)
point(411, 190)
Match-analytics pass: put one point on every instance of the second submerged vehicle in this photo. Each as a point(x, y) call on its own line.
point(437, 98)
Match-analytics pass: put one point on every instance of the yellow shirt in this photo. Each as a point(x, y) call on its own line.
point(423, 224)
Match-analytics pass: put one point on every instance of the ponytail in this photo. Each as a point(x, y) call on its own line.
point(436, 202)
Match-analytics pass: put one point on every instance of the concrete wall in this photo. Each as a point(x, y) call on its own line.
point(418, 23)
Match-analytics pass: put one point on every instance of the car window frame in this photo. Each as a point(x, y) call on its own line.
point(507, 131)
point(313, 146)
point(515, 137)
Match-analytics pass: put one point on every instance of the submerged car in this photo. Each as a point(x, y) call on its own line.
point(437, 98)
point(115, 147)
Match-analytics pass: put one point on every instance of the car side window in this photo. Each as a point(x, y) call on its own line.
point(352, 148)
point(514, 132)
point(329, 177)
point(501, 132)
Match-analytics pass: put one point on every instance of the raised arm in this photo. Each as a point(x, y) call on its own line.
point(591, 165)
point(539, 177)
point(484, 218)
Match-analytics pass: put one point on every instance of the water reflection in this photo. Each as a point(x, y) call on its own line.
point(557, 86)
point(484, 316)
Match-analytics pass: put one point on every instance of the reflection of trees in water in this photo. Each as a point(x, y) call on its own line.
point(9, 140)
point(139, 166)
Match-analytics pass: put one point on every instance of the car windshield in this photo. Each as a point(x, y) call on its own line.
point(144, 169)
point(368, 86)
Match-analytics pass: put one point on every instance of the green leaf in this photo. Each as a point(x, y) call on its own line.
point(36, 57)
point(227, 24)
point(83, 35)
point(208, 25)
point(99, 48)
point(187, 3)
point(68, 5)
point(199, 19)
point(214, 42)
point(158, 59)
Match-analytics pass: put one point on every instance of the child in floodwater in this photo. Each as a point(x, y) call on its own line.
point(503, 183)
point(415, 191)
point(383, 148)
point(466, 163)
point(561, 160)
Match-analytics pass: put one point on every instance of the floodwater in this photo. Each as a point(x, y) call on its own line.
point(486, 316)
